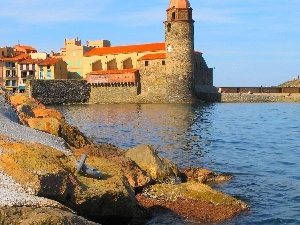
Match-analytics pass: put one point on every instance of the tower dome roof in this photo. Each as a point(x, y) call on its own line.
point(179, 4)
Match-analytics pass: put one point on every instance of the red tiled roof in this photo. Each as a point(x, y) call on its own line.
point(153, 56)
point(50, 61)
point(16, 58)
point(153, 47)
point(30, 61)
point(26, 47)
point(101, 72)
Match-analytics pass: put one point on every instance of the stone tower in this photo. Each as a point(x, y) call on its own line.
point(179, 35)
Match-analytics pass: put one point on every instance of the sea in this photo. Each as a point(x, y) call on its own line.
point(257, 143)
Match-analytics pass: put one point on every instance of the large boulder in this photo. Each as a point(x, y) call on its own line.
point(48, 125)
point(192, 200)
point(136, 177)
point(47, 172)
point(203, 175)
point(159, 168)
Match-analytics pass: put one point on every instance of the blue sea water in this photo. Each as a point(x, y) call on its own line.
point(258, 143)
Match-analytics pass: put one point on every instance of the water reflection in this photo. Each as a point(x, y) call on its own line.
point(178, 131)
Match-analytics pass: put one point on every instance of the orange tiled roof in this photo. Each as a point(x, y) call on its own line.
point(16, 58)
point(26, 47)
point(153, 56)
point(101, 72)
point(50, 61)
point(30, 61)
point(153, 47)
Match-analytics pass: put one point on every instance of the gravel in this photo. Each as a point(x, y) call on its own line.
point(11, 193)
point(10, 127)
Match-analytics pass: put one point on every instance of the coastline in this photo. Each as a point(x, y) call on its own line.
point(34, 164)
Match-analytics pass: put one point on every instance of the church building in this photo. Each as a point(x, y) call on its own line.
point(166, 72)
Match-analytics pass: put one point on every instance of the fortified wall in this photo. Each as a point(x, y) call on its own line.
point(54, 92)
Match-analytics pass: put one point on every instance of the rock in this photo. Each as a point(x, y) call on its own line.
point(73, 136)
point(44, 113)
point(40, 216)
point(192, 200)
point(49, 125)
point(49, 173)
point(203, 175)
point(35, 115)
point(136, 177)
point(159, 168)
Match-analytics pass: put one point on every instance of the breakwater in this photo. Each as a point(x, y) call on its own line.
point(239, 97)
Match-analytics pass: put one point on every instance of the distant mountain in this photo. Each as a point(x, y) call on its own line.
point(291, 83)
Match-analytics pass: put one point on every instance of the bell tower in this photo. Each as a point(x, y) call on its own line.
point(179, 39)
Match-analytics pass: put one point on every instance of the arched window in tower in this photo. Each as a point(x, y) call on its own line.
point(173, 15)
point(169, 27)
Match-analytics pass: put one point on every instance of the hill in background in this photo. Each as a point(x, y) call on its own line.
point(291, 83)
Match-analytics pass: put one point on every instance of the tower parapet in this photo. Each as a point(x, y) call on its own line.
point(179, 39)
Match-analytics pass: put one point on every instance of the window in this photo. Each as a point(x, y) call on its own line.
point(78, 63)
point(146, 63)
point(41, 68)
point(33, 66)
point(14, 83)
point(173, 15)
point(41, 74)
point(48, 67)
point(27, 66)
point(7, 73)
point(163, 62)
point(7, 83)
point(21, 67)
point(169, 27)
point(13, 73)
point(23, 74)
point(48, 75)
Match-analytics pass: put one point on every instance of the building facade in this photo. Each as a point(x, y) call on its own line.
point(52, 68)
point(9, 71)
point(170, 71)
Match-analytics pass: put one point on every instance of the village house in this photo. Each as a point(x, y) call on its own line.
point(9, 71)
point(52, 68)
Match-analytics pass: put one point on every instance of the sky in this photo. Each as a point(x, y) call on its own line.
point(247, 42)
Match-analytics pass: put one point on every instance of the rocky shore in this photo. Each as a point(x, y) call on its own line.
point(40, 183)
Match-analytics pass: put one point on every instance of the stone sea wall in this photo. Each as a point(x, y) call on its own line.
point(113, 94)
point(51, 92)
point(240, 97)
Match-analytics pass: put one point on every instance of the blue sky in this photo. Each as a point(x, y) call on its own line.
point(248, 42)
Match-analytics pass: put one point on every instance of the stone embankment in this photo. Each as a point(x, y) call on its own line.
point(259, 97)
point(38, 160)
